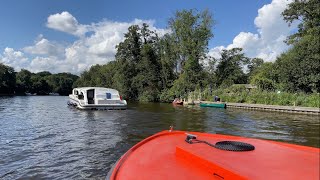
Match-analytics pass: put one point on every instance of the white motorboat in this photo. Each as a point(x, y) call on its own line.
point(96, 98)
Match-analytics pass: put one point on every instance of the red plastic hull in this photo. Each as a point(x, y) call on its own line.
point(166, 155)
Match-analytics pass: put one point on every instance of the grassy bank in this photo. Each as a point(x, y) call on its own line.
point(239, 94)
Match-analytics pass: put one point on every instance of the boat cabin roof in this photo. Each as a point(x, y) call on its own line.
point(97, 89)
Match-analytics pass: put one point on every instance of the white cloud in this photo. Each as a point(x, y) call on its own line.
point(14, 58)
point(216, 52)
point(43, 46)
point(269, 21)
point(65, 22)
point(18, 60)
point(272, 31)
point(98, 47)
point(107, 35)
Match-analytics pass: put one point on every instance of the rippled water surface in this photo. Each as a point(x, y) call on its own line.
point(42, 138)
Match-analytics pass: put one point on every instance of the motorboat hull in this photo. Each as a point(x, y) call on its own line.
point(166, 155)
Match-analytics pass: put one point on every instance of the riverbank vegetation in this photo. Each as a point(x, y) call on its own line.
point(240, 93)
point(41, 83)
point(149, 66)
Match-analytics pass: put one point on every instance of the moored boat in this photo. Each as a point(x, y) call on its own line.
point(214, 104)
point(96, 98)
point(177, 155)
point(177, 102)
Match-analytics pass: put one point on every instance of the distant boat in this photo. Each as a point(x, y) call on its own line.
point(96, 98)
point(177, 102)
point(215, 105)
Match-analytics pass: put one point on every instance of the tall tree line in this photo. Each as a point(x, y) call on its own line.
point(7, 79)
point(41, 83)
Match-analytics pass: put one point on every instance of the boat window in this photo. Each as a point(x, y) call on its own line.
point(76, 92)
point(80, 96)
point(108, 95)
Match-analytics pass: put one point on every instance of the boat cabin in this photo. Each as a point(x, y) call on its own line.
point(96, 97)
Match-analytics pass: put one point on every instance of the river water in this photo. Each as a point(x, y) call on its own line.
point(42, 138)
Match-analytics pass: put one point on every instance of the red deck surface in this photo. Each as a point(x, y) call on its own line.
point(166, 155)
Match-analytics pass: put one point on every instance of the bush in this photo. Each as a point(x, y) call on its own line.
point(264, 84)
point(239, 94)
point(167, 96)
point(236, 88)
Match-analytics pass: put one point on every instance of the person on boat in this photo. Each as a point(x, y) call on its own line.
point(216, 99)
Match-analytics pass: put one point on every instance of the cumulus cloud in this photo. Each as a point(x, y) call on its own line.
point(14, 58)
point(268, 43)
point(18, 60)
point(43, 46)
point(216, 52)
point(96, 47)
point(65, 22)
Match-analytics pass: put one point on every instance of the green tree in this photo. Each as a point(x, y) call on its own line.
point(307, 12)
point(168, 61)
point(128, 56)
point(254, 65)
point(62, 82)
point(265, 76)
point(229, 69)
point(7, 79)
point(39, 85)
point(130, 48)
point(148, 79)
point(44, 73)
point(23, 81)
point(107, 72)
point(191, 32)
point(299, 67)
point(138, 65)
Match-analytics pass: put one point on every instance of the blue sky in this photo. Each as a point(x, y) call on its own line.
point(28, 33)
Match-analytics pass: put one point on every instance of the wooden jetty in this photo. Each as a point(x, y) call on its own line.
point(289, 109)
point(277, 108)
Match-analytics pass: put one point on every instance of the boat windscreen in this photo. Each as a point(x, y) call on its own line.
point(80, 96)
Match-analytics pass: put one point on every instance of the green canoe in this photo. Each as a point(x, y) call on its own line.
point(216, 105)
